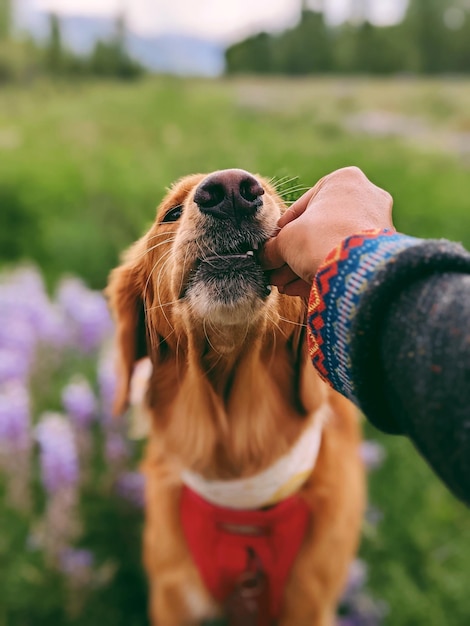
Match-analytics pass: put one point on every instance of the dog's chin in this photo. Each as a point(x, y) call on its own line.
point(228, 291)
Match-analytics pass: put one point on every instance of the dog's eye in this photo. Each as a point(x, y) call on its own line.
point(173, 214)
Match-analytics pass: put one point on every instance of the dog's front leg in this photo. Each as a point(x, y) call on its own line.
point(335, 494)
point(177, 594)
point(177, 601)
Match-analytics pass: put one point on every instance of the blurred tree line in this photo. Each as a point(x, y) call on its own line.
point(433, 37)
point(23, 59)
point(108, 58)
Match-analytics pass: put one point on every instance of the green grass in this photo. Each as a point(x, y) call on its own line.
point(82, 168)
point(419, 555)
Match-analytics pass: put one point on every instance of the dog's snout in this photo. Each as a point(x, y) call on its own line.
point(229, 194)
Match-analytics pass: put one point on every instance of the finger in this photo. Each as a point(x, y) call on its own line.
point(282, 276)
point(297, 288)
point(270, 255)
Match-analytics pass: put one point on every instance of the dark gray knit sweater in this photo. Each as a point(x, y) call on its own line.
point(389, 319)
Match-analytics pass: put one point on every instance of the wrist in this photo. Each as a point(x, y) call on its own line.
point(336, 293)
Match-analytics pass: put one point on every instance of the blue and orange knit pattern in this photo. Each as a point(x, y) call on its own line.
point(335, 295)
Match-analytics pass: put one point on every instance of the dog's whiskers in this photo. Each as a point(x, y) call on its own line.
point(281, 182)
point(166, 232)
point(183, 273)
point(214, 329)
point(274, 326)
point(212, 367)
point(167, 253)
point(273, 351)
point(161, 243)
point(210, 252)
point(160, 306)
point(284, 181)
point(208, 340)
point(275, 323)
point(291, 192)
point(178, 373)
point(284, 319)
point(247, 327)
point(217, 361)
point(297, 189)
point(148, 319)
point(166, 337)
point(158, 290)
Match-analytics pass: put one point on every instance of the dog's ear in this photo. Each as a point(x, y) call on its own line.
point(124, 293)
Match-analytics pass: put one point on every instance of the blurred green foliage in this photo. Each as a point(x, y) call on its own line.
point(5, 18)
point(36, 594)
point(84, 165)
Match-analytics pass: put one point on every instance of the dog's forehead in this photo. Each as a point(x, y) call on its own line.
point(179, 191)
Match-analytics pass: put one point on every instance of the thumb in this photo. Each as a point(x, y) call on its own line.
point(270, 255)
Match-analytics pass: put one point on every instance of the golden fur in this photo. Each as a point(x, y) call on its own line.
point(230, 392)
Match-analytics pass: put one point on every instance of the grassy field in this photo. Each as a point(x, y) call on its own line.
point(82, 168)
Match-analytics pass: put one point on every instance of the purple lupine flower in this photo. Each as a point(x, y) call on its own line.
point(357, 578)
point(79, 402)
point(14, 365)
point(349, 620)
point(46, 318)
point(14, 417)
point(17, 334)
point(116, 448)
point(59, 459)
point(76, 561)
point(54, 329)
point(60, 523)
point(88, 312)
point(131, 487)
point(373, 515)
point(15, 443)
point(365, 613)
point(24, 301)
point(24, 295)
point(29, 279)
point(357, 608)
point(373, 454)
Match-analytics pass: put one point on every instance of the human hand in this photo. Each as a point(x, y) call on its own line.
point(341, 204)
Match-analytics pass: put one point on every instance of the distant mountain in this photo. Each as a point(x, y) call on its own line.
point(177, 54)
point(170, 53)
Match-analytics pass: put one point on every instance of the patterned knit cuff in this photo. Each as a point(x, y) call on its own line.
point(335, 296)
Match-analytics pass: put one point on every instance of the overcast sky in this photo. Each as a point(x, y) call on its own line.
point(219, 20)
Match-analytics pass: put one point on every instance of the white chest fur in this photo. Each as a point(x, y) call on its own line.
point(277, 482)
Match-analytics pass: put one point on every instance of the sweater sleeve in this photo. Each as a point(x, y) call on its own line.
point(388, 328)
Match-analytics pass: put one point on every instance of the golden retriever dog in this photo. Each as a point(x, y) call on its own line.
point(254, 484)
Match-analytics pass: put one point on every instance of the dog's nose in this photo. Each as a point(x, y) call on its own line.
point(229, 194)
